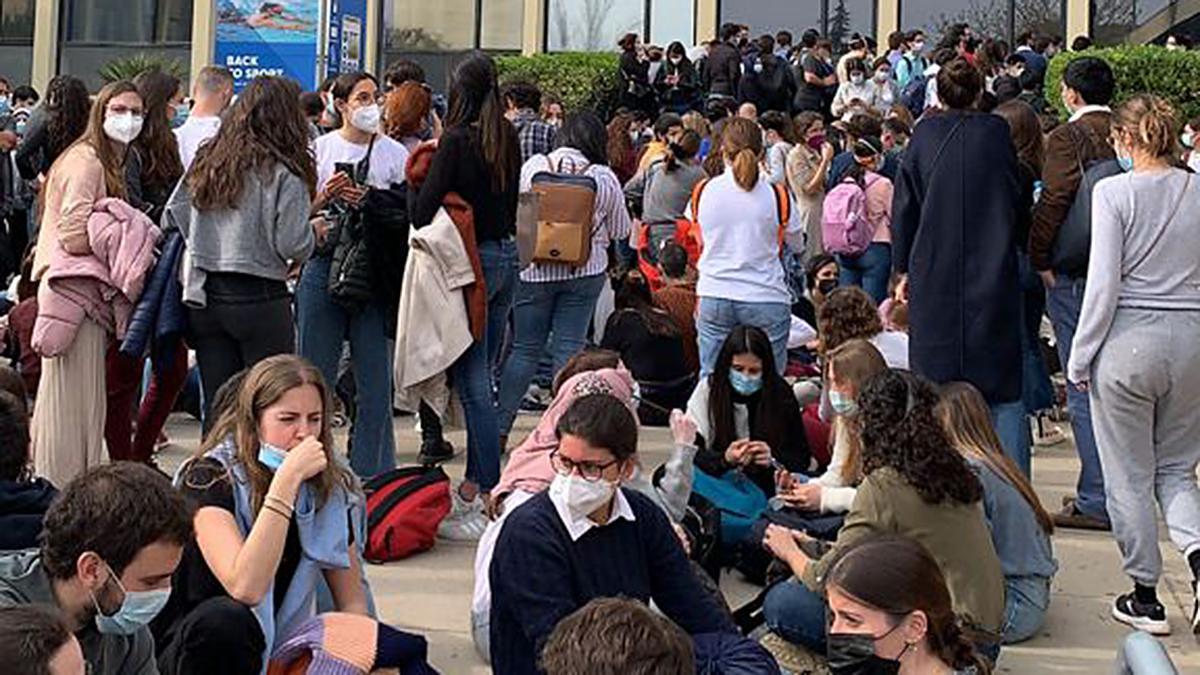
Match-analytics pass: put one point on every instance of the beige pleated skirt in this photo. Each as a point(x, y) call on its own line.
point(68, 417)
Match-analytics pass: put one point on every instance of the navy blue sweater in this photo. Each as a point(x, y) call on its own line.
point(539, 576)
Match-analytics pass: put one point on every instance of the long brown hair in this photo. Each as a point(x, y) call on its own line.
point(265, 126)
point(965, 417)
point(111, 159)
point(156, 144)
point(67, 108)
point(742, 147)
point(263, 386)
point(854, 362)
point(1026, 131)
point(897, 576)
point(406, 109)
point(620, 148)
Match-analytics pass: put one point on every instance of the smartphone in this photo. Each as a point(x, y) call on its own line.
point(346, 168)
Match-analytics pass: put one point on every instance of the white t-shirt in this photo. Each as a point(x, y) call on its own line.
point(893, 347)
point(389, 159)
point(196, 131)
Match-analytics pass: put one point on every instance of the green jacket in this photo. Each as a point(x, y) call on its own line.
point(956, 535)
point(24, 582)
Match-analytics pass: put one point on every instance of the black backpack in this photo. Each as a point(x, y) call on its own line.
point(1073, 241)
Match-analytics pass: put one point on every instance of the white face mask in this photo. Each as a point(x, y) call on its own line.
point(676, 60)
point(366, 119)
point(882, 75)
point(123, 128)
point(857, 78)
point(580, 497)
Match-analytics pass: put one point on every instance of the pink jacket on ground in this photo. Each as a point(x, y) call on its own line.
point(103, 285)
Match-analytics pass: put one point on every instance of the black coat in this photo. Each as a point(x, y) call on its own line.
point(954, 223)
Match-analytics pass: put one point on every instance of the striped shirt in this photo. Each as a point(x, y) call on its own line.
point(610, 221)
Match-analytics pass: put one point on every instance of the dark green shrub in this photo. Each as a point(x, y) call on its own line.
point(1173, 75)
point(581, 81)
point(129, 67)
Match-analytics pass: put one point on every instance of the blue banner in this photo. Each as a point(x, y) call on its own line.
point(273, 37)
point(347, 37)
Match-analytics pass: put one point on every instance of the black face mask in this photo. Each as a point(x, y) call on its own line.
point(827, 286)
point(854, 654)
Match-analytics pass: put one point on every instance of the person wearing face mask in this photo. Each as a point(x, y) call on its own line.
point(677, 82)
point(110, 546)
point(855, 87)
point(1189, 139)
point(273, 513)
point(588, 537)
point(885, 92)
point(323, 323)
point(914, 485)
point(871, 269)
point(808, 164)
point(817, 81)
point(72, 350)
point(912, 63)
point(211, 95)
point(892, 613)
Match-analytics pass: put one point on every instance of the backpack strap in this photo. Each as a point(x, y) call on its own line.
point(695, 220)
point(783, 211)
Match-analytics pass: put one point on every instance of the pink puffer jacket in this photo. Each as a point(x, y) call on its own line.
point(103, 285)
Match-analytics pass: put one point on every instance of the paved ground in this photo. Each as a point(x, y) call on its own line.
point(431, 593)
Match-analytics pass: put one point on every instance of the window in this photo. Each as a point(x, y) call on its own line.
point(127, 21)
point(16, 20)
point(502, 24)
point(430, 26)
point(1113, 21)
point(1044, 17)
point(772, 16)
point(592, 25)
point(672, 20)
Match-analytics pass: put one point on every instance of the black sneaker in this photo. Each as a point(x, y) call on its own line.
point(1196, 608)
point(1151, 618)
point(435, 452)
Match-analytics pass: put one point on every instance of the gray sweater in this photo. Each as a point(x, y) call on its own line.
point(664, 194)
point(1141, 256)
point(262, 236)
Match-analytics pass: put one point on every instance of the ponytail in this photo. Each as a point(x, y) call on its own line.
point(745, 169)
point(742, 146)
point(1151, 122)
point(686, 148)
point(955, 649)
point(497, 140)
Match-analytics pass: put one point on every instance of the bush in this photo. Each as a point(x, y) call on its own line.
point(581, 81)
point(129, 67)
point(1139, 69)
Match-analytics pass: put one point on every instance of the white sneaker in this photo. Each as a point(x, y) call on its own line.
point(466, 520)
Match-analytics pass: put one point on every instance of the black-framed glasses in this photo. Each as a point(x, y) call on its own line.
point(591, 471)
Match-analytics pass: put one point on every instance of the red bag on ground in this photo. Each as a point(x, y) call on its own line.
point(404, 508)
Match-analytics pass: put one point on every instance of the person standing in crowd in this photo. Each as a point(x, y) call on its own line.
point(244, 213)
point(111, 544)
point(1020, 527)
point(807, 166)
point(24, 100)
point(743, 221)
point(556, 300)
point(523, 100)
point(722, 70)
point(323, 322)
point(857, 51)
point(636, 92)
point(211, 95)
point(24, 499)
point(885, 92)
point(1087, 89)
point(957, 193)
point(61, 120)
point(73, 382)
point(667, 130)
point(406, 115)
point(273, 508)
point(913, 63)
point(816, 79)
point(36, 641)
point(677, 82)
point(767, 82)
point(622, 156)
point(479, 158)
point(585, 538)
point(872, 269)
point(780, 138)
point(1137, 353)
point(897, 47)
point(855, 92)
point(661, 193)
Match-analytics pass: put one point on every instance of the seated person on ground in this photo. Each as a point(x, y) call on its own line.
point(586, 538)
point(848, 314)
point(35, 641)
point(678, 298)
point(615, 636)
point(651, 347)
point(23, 498)
point(1020, 527)
point(820, 280)
point(274, 514)
point(110, 544)
point(914, 485)
point(747, 415)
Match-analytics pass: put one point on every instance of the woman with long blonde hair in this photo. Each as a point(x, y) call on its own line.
point(273, 517)
point(1020, 527)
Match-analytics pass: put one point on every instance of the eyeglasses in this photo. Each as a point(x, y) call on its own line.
point(591, 471)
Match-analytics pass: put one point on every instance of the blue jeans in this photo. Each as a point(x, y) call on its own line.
point(1012, 426)
point(561, 308)
point(797, 615)
point(472, 373)
point(1036, 390)
point(1025, 602)
point(870, 271)
point(1063, 303)
point(323, 326)
point(717, 317)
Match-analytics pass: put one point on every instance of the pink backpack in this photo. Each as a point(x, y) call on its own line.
point(845, 228)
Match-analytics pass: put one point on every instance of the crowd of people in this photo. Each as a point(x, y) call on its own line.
point(829, 278)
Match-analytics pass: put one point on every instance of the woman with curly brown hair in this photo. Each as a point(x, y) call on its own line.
point(244, 213)
point(850, 314)
point(916, 485)
point(621, 154)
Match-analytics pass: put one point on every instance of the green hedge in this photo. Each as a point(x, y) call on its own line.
point(582, 81)
point(1173, 75)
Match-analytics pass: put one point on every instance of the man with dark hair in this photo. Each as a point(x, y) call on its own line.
point(722, 70)
point(677, 297)
point(1087, 89)
point(401, 71)
point(1032, 48)
point(913, 62)
point(783, 44)
point(523, 100)
point(954, 232)
point(111, 543)
point(667, 130)
point(768, 81)
point(587, 538)
point(615, 636)
point(860, 126)
point(35, 641)
point(1081, 43)
point(23, 499)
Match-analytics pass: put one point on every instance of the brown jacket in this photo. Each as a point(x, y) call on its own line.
point(1069, 148)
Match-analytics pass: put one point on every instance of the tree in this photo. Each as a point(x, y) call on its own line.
point(839, 25)
point(991, 18)
point(590, 25)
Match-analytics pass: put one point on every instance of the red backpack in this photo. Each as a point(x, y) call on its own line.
point(404, 508)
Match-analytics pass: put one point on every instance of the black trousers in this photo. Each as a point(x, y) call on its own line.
point(218, 636)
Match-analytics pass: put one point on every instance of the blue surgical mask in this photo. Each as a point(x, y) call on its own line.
point(745, 384)
point(5, 106)
point(137, 610)
point(842, 404)
point(271, 456)
point(1126, 163)
point(180, 116)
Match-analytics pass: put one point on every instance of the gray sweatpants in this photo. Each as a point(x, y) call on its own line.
point(1145, 398)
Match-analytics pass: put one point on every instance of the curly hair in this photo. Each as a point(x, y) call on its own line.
point(848, 314)
point(900, 430)
point(67, 106)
